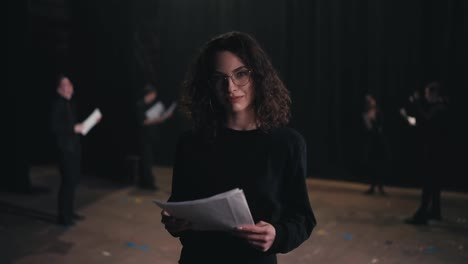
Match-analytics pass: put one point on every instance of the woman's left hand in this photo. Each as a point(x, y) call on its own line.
point(261, 236)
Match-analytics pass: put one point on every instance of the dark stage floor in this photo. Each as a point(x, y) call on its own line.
point(123, 226)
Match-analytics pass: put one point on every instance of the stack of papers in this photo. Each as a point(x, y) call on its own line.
point(91, 121)
point(222, 212)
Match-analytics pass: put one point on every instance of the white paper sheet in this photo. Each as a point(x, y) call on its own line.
point(91, 121)
point(222, 212)
point(411, 120)
point(155, 111)
point(158, 110)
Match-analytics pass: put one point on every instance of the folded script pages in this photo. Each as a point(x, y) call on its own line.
point(221, 212)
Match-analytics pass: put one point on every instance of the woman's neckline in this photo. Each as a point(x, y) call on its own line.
point(245, 131)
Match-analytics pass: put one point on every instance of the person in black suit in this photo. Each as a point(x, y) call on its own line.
point(431, 115)
point(66, 130)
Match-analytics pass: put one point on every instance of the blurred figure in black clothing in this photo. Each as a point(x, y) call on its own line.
point(66, 130)
point(375, 148)
point(430, 120)
point(149, 136)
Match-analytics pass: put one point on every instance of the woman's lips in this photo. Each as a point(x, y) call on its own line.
point(235, 99)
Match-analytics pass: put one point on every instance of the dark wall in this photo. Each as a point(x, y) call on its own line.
point(329, 53)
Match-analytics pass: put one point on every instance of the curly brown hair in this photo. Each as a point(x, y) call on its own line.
point(271, 100)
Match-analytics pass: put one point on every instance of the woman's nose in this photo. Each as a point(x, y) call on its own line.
point(231, 85)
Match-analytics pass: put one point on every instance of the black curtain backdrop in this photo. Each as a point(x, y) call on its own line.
point(329, 54)
point(102, 59)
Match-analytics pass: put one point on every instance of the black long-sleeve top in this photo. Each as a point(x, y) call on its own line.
point(147, 132)
point(375, 143)
point(63, 120)
point(269, 167)
point(431, 127)
point(431, 119)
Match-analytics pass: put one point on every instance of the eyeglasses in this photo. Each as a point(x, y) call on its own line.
point(239, 78)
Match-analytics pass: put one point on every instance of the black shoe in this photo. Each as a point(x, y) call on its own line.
point(78, 217)
point(416, 221)
point(369, 192)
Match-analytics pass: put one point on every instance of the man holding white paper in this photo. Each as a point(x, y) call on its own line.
point(66, 130)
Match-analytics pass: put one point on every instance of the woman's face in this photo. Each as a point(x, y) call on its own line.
point(232, 83)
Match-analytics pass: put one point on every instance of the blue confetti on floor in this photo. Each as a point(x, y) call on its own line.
point(430, 250)
point(348, 236)
point(130, 244)
point(144, 248)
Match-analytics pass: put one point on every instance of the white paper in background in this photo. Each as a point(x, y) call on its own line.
point(222, 212)
point(155, 111)
point(411, 120)
point(91, 121)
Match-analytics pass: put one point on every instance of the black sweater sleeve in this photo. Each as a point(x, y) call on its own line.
point(178, 188)
point(178, 173)
point(297, 220)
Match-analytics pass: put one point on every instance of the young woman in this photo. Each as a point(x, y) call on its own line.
point(239, 108)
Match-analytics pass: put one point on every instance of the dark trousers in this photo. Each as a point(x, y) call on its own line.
point(430, 200)
point(147, 159)
point(432, 171)
point(70, 174)
point(375, 173)
point(375, 162)
point(430, 196)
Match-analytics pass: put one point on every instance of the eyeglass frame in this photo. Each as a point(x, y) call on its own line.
point(226, 76)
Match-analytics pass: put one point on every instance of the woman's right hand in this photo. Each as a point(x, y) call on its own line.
point(174, 225)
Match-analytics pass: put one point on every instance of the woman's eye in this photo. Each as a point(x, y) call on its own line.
point(242, 74)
